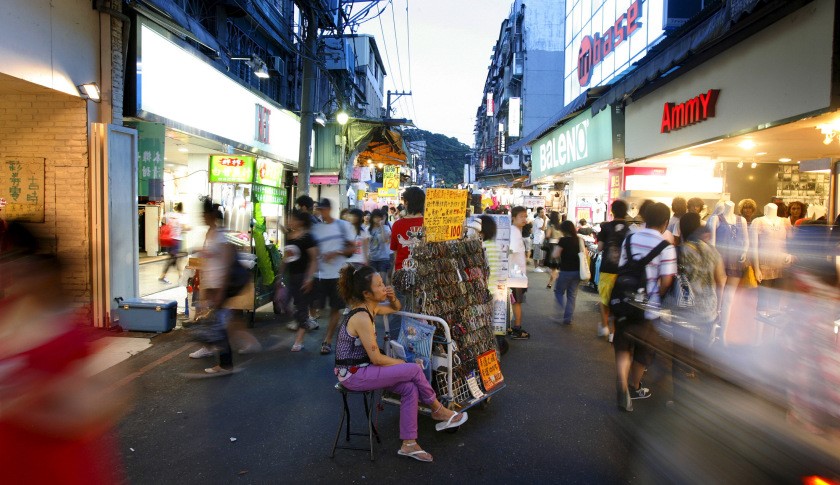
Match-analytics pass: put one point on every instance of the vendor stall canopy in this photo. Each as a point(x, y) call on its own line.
point(385, 146)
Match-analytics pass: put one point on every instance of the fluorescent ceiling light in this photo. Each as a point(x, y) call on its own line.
point(747, 144)
point(784, 160)
point(183, 149)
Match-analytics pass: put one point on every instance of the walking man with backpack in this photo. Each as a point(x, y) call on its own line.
point(647, 267)
point(610, 240)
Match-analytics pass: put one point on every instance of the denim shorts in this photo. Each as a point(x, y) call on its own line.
point(381, 266)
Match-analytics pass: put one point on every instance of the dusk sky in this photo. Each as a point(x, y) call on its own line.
point(451, 43)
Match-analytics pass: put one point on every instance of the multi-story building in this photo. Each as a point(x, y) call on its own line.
point(523, 88)
point(355, 61)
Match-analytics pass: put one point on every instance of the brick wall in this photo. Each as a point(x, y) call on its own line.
point(53, 126)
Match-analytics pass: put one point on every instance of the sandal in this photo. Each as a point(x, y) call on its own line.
point(297, 347)
point(326, 348)
point(451, 423)
point(417, 454)
point(519, 334)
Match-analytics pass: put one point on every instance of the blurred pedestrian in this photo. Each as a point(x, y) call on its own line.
point(518, 219)
point(300, 262)
point(539, 238)
point(552, 234)
point(568, 278)
point(380, 241)
point(335, 244)
point(56, 419)
point(361, 241)
point(177, 231)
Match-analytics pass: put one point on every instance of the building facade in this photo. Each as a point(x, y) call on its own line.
point(522, 90)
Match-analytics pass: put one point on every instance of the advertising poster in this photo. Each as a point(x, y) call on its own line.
point(22, 189)
point(445, 214)
point(497, 251)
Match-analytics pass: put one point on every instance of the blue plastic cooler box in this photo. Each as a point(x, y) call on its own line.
point(147, 315)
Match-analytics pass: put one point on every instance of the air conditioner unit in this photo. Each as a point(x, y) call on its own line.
point(510, 162)
point(279, 65)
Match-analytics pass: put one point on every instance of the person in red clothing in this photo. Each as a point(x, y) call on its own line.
point(56, 420)
point(414, 199)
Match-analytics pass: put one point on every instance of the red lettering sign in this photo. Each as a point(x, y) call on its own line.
point(263, 115)
point(232, 162)
point(594, 48)
point(697, 109)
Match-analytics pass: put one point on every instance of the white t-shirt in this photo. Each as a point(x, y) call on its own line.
point(358, 253)
point(213, 265)
point(642, 242)
point(332, 237)
point(517, 249)
point(538, 232)
point(173, 220)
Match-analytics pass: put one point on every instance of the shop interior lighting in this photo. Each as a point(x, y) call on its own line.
point(747, 144)
point(760, 154)
point(753, 165)
point(183, 149)
point(89, 91)
point(831, 131)
point(784, 160)
point(380, 165)
point(370, 162)
point(741, 164)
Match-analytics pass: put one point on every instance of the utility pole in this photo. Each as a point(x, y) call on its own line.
point(397, 96)
point(307, 102)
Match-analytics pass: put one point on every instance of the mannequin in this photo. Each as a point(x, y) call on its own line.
point(729, 235)
point(768, 256)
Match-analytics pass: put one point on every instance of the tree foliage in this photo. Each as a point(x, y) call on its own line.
point(445, 154)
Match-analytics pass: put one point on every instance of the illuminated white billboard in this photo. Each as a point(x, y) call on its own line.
point(605, 37)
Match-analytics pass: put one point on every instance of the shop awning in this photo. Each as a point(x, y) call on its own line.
point(718, 31)
point(385, 146)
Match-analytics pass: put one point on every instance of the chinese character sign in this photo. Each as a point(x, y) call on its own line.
point(22, 189)
point(151, 138)
point(488, 367)
point(446, 211)
point(390, 181)
point(231, 169)
point(269, 173)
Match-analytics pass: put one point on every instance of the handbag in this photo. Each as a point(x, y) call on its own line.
point(583, 255)
point(281, 300)
point(681, 295)
point(748, 279)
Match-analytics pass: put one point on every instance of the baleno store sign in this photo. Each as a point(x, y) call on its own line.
point(582, 141)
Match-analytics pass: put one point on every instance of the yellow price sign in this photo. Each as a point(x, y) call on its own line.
point(488, 367)
point(445, 214)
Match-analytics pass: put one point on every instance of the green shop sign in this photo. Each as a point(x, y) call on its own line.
point(582, 141)
point(151, 138)
point(231, 169)
point(269, 172)
point(269, 195)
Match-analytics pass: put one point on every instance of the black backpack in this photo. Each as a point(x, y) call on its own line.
point(631, 278)
point(612, 246)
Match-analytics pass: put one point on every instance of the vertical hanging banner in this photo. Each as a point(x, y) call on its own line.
point(445, 214)
point(151, 138)
point(497, 251)
point(390, 181)
point(22, 189)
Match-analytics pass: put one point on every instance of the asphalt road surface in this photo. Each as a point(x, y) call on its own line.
point(274, 421)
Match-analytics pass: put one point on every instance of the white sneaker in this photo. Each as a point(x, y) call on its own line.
point(603, 331)
point(311, 324)
point(610, 338)
point(539, 270)
point(202, 353)
point(293, 326)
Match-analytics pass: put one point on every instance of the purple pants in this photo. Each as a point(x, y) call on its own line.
point(407, 380)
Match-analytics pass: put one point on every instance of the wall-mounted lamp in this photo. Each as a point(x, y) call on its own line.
point(255, 63)
point(89, 91)
point(320, 119)
point(342, 118)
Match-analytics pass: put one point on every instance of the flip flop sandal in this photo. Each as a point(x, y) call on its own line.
point(449, 423)
point(416, 454)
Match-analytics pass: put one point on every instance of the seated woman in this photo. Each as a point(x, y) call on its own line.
point(360, 366)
